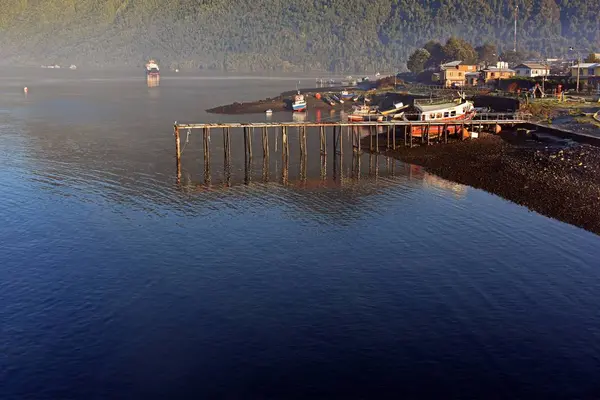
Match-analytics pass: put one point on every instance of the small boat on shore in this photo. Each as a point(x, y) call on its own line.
point(395, 109)
point(364, 113)
point(346, 96)
point(337, 99)
point(328, 100)
point(299, 103)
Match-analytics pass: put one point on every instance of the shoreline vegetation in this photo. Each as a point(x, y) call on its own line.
point(340, 36)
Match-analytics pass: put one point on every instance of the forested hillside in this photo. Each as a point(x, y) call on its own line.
point(336, 35)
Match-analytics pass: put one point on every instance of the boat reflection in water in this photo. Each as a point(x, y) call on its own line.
point(299, 117)
point(152, 81)
point(417, 172)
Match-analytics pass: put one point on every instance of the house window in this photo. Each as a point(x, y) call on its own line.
point(459, 74)
point(446, 114)
point(439, 115)
point(432, 116)
point(591, 71)
point(423, 117)
point(453, 113)
point(493, 75)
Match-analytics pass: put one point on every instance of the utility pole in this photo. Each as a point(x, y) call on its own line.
point(516, 14)
point(578, 68)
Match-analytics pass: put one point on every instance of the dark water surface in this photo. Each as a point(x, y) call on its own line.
point(116, 282)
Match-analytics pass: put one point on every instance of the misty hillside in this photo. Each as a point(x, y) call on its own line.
point(340, 35)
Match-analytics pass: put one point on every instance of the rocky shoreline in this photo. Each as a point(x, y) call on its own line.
point(559, 180)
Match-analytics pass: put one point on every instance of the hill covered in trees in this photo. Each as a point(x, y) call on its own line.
point(334, 35)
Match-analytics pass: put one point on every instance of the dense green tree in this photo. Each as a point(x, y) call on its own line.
point(416, 61)
point(513, 57)
point(436, 54)
point(591, 58)
point(459, 49)
point(487, 53)
point(341, 35)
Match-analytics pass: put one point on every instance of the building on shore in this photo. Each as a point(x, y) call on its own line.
point(532, 70)
point(453, 74)
point(473, 78)
point(589, 73)
point(500, 71)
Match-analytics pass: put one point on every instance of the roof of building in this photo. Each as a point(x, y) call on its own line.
point(451, 64)
point(587, 65)
point(496, 69)
point(532, 65)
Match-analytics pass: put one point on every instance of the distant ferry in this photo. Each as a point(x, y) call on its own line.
point(299, 103)
point(152, 70)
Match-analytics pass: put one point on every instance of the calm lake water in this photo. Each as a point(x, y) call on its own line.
point(385, 282)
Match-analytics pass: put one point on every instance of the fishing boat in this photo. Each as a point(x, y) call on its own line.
point(329, 100)
point(450, 113)
point(346, 96)
point(299, 103)
point(365, 113)
point(334, 97)
point(152, 70)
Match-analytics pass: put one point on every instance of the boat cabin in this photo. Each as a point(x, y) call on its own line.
point(444, 111)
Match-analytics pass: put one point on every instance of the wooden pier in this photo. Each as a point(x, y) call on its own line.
point(374, 136)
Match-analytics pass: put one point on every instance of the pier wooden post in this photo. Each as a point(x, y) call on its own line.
point(177, 153)
point(411, 135)
point(265, 142)
point(341, 143)
point(206, 140)
point(370, 139)
point(225, 144)
point(323, 140)
point(284, 143)
point(177, 144)
point(245, 146)
point(387, 144)
point(284, 160)
point(304, 140)
point(287, 144)
point(334, 143)
point(405, 136)
point(250, 134)
point(376, 138)
point(266, 169)
point(445, 133)
point(428, 133)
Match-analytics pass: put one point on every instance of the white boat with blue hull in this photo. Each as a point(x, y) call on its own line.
point(299, 103)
